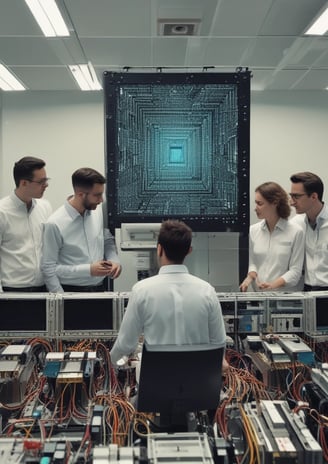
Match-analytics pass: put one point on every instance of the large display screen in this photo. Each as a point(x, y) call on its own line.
point(177, 146)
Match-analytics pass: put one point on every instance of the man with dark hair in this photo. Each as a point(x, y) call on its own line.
point(22, 215)
point(78, 251)
point(306, 197)
point(173, 307)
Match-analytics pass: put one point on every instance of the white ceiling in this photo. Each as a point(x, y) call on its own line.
point(264, 35)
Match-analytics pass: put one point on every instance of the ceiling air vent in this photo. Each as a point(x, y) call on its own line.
point(178, 27)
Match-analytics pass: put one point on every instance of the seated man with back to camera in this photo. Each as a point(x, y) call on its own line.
point(78, 251)
point(173, 307)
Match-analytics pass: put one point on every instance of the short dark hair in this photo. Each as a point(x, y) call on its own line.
point(175, 238)
point(274, 193)
point(25, 167)
point(86, 178)
point(311, 183)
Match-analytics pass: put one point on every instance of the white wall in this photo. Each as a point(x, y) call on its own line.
point(66, 129)
point(288, 134)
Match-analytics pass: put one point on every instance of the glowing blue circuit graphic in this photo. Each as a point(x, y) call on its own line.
point(174, 151)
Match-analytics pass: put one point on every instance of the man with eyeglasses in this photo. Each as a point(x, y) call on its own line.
point(22, 215)
point(78, 251)
point(312, 213)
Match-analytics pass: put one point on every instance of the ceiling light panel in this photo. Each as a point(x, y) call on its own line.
point(8, 82)
point(49, 18)
point(85, 76)
point(320, 26)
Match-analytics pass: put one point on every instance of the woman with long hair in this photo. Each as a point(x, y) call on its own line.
point(276, 245)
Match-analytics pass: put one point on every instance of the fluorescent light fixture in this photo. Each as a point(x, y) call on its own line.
point(320, 26)
point(85, 76)
point(8, 81)
point(49, 18)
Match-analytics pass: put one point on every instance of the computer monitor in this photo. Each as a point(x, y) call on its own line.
point(316, 313)
point(24, 314)
point(177, 380)
point(87, 314)
point(321, 314)
point(177, 147)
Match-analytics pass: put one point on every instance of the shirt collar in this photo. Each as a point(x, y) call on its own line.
point(20, 204)
point(173, 268)
point(323, 213)
point(322, 216)
point(281, 224)
point(73, 212)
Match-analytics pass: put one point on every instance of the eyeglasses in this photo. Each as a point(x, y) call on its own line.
point(40, 182)
point(297, 196)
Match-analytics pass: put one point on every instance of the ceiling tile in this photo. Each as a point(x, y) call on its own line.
point(225, 51)
point(313, 80)
point(35, 78)
point(237, 18)
point(110, 18)
point(28, 51)
point(120, 52)
point(267, 51)
point(290, 17)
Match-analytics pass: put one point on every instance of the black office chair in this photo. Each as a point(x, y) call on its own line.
point(178, 382)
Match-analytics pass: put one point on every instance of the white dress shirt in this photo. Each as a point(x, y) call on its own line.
point(21, 241)
point(71, 242)
point(277, 254)
point(171, 308)
point(316, 248)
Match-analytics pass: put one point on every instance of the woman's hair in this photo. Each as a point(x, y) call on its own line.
point(274, 193)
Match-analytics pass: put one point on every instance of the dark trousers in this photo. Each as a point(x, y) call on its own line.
point(42, 288)
point(85, 288)
point(314, 288)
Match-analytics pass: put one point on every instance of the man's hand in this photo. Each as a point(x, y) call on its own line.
point(115, 268)
point(105, 268)
point(101, 268)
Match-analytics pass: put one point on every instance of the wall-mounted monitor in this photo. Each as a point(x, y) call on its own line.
point(177, 146)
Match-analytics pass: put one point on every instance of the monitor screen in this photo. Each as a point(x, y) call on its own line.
point(321, 305)
point(88, 314)
point(23, 315)
point(177, 146)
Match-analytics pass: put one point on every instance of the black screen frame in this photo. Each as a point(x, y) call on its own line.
point(113, 81)
point(321, 309)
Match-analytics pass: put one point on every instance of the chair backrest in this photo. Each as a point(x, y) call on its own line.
point(180, 379)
